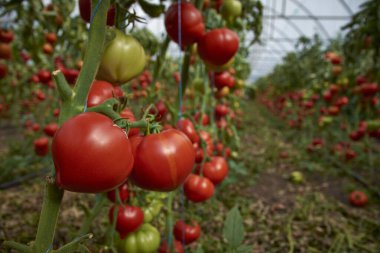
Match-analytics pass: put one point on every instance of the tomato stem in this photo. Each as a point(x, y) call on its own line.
point(17, 246)
point(100, 201)
point(158, 63)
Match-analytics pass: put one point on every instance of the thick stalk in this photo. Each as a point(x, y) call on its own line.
point(48, 218)
point(92, 57)
point(158, 64)
point(100, 201)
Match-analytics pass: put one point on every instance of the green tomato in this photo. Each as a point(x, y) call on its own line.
point(198, 85)
point(123, 59)
point(144, 240)
point(296, 177)
point(230, 10)
point(152, 210)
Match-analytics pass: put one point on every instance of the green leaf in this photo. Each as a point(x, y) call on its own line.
point(233, 229)
point(244, 249)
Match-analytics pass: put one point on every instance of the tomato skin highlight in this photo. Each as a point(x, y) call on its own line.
point(192, 26)
point(162, 161)
point(216, 41)
point(91, 154)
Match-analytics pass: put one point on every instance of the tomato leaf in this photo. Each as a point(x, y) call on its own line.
point(233, 229)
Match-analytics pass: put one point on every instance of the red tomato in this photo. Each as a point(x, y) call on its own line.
point(51, 38)
point(205, 118)
point(221, 110)
point(360, 80)
point(36, 127)
point(123, 194)
point(216, 170)
point(50, 129)
point(162, 161)
point(41, 146)
point(350, 154)
point(161, 109)
point(56, 112)
point(6, 36)
point(128, 114)
point(48, 49)
point(91, 154)
point(198, 189)
point(342, 101)
point(369, 89)
point(192, 27)
point(186, 233)
point(358, 198)
point(99, 92)
point(206, 137)
point(128, 219)
point(187, 127)
point(3, 70)
point(71, 75)
point(5, 51)
point(222, 79)
point(178, 248)
point(218, 46)
point(44, 76)
point(85, 12)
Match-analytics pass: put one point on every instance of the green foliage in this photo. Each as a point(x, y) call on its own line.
point(233, 229)
point(147, 39)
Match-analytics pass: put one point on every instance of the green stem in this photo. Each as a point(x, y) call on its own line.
point(74, 245)
point(169, 221)
point(64, 89)
point(100, 201)
point(17, 246)
point(92, 56)
point(48, 218)
point(106, 108)
point(158, 64)
point(185, 70)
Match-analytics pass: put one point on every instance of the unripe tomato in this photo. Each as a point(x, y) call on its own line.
point(216, 41)
point(85, 12)
point(216, 170)
point(152, 210)
point(162, 161)
point(5, 51)
point(186, 233)
point(41, 146)
point(198, 189)
point(192, 27)
point(123, 59)
point(358, 198)
point(128, 219)
point(91, 154)
point(50, 129)
point(230, 10)
point(145, 240)
point(187, 127)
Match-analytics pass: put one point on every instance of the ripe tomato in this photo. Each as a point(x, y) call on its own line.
point(44, 76)
point(99, 92)
point(50, 129)
point(5, 51)
point(198, 189)
point(6, 36)
point(85, 12)
point(48, 49)
point(3, 70)
point(187, 127)
point(350, 154)
point(216, 41)
point(128, 219)
point(369, 89)
point(221, 110)
point(358, 198)
point(91, 154)
point(206, 137)
point(205, 119)
point(160, 109)
point(162, 161)
point(123, 59)
point(128, 114)
point(186, 233)
point(222, 79)
point(51, 38)
point(71, 75)
point(41, 146)
point(123, 194)
point(178, 248)
point(216, 170)
point(192, 27)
